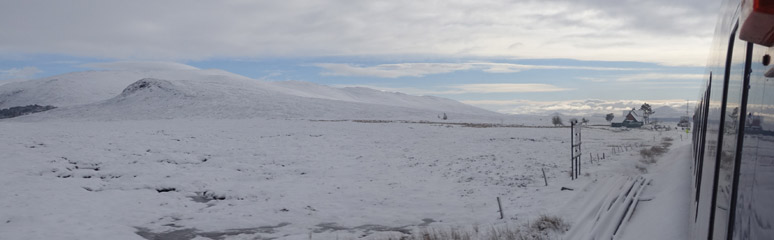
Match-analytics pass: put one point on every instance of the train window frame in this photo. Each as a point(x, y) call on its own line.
point(702, 142)
point(740, 140)
point(721, 125)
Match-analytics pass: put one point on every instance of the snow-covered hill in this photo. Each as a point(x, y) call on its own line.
point(79, 88)
point(195, 93)
point(372, 96)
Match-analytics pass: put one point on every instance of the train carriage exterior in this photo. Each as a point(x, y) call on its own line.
point(733, 137)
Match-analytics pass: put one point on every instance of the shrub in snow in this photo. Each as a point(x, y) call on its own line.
point(545, 227)
point(553, 223)
point(647, 153)
point(658, 150)
point(18, 111)
point(556, 120)
point(642, 168)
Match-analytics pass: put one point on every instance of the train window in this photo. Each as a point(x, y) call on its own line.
point(730, 118)
point(698, 127)
point(702, 134)
point(743, 120)
point(752, 213)
point(710, 139)
point(712, 142)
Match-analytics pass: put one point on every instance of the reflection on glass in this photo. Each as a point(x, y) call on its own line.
point(754, 216)
point(726, 157)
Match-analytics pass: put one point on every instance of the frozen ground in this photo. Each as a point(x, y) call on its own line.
point(292, 179)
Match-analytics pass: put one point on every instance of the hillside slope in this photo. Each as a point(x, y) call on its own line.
point(195, 93)
point(372, 96)
point(77, 88)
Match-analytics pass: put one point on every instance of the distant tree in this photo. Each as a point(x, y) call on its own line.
point(646, 111)
point(557, 121)
point(609, 117)
point(585, 121)
point(444, 116)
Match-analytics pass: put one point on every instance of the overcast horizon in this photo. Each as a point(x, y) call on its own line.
point(507, 56)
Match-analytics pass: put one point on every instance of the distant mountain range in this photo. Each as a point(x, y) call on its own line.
point(196, 93)
point(667, 112)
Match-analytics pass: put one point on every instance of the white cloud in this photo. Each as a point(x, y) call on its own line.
point(406, 90)
point(471, 88)
point(508, 88)
point(663, 31)
point(511, 67)
point(521, 106)
point(650, 78)
point(658, 76)
point(422, 69)
point(18, 73)
point(594, 79)
point(139, 65)
point(577, 107)
point(392, 70)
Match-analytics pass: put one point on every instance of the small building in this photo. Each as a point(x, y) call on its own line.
point(633, 119)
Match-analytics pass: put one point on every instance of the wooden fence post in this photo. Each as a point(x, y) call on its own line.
point(501, 208)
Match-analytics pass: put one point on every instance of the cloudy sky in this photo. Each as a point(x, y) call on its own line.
point(517, 56)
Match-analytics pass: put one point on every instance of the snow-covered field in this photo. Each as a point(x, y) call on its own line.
point(290, 179)
point(186, 153)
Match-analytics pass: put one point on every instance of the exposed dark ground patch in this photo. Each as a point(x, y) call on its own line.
point(369, 228)
point(191, 233)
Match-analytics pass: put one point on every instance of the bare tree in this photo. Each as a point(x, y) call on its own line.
point(646, 111)
point(557, 121)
